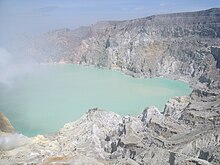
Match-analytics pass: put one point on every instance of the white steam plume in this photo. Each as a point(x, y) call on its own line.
point(10, 68)
point(11, 141)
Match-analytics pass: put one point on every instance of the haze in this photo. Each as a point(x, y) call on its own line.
point(32, 17)
point(27, 18)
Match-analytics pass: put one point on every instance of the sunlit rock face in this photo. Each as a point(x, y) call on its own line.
point(9, 139)
point(5, 125)
point(101, 137)
point(182, 46)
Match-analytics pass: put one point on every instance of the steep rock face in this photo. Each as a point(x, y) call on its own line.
point(101, 137)
point(181, 45)
point(5, 125)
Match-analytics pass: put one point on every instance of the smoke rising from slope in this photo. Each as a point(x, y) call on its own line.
point(12, 68)
point(11, 141)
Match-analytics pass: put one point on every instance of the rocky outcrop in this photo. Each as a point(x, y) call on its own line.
point(180, 46)
point(9, 139)
point(5, 125)
point(102, 137)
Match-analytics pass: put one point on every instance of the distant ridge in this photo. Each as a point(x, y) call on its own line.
point(183, 46)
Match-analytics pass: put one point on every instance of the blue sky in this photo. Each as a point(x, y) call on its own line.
point(34, 16)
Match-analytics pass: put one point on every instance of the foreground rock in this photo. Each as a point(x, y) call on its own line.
point(180, 46)
point(9, 139)
point(186, 136)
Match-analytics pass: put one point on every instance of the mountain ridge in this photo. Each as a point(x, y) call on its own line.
point(186, 133)
point(147, 47)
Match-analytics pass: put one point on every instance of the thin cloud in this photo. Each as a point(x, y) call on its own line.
point(167, 4)
point(139, 8)
point(46, 9)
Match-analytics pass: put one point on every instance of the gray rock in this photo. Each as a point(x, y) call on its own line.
point(182, 46)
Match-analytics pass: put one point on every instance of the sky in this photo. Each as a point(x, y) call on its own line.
point(36, 16)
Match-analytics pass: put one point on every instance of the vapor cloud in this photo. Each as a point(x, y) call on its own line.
point(10, 69)
point(11, 141)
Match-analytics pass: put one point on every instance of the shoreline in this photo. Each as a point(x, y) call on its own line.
point(121, 73)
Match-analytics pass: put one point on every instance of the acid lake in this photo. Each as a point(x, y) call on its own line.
point(44, 99)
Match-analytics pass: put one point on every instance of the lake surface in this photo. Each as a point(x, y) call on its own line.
point(49, 96)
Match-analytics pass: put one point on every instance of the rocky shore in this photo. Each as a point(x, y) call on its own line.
point(186, 133)
point(179, 46)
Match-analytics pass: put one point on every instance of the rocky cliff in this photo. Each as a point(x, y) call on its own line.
point(181, 46)
point(5, 125)
point(187, 133)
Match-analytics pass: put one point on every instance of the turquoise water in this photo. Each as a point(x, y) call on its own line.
point(43, 100)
